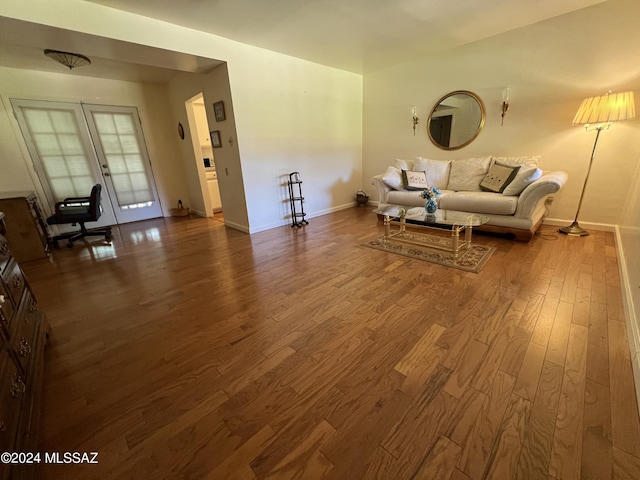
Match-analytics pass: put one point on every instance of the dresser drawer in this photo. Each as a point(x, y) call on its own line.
point(4, 253)
point(23, 330)
point(12, 389)
point(6, 311)
point(14, 281)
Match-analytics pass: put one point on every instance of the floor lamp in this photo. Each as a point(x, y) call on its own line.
point(598, 113)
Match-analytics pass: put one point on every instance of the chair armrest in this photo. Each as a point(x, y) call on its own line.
point(69, 201)
point(76, 200)
point(535, 193)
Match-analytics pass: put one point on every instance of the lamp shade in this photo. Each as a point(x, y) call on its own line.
point(606, 109)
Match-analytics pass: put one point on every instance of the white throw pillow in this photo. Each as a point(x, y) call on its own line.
point(393, 178)
point(531, 161)
point(467, 174)
point(437, 171)
point(524, 177)
point(404, 164)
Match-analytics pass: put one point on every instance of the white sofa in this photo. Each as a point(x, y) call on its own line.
point(519, 210)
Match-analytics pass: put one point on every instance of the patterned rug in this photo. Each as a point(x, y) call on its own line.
point(471, 259)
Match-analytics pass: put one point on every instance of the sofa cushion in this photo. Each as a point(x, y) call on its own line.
point(409, 198)
point(525, 176)
point(467, 174)
point(393, 178)
point(437, 171)
point(414, 180)
point(479, 202)
point(498, 177)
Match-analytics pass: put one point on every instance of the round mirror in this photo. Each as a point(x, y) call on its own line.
point(456, 120)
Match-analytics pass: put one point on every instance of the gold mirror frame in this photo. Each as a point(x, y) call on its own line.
point(467, 138)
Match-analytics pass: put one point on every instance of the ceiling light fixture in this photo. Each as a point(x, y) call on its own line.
point(68, 59)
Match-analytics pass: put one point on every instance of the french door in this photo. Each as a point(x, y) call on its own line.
point(75, 146)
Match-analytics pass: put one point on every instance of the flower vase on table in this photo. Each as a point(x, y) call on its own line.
point(431, 196)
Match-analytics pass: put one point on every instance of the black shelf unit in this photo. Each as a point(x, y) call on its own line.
point(296, 200)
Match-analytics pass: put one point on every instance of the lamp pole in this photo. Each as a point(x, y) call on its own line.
point(575, 230)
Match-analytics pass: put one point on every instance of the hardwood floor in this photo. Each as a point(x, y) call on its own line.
point(191, 351)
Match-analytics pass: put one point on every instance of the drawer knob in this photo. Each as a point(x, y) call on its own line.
point(3, 426)
point(4, 249)
point(1, 299)
point(17, 281)
point(33, 307)
point(25, 348)
point(17, 386)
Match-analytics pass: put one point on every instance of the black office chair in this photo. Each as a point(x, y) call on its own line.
point(79, 210)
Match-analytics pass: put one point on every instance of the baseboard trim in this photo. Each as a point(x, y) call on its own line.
point(309, 215)
point(633, 331)
point(603, 227)
point(236, 226)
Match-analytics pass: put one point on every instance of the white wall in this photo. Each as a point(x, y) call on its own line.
point(629, 255)
point(152, 104)
point(289, 114)
point(551, 66)
point(301, 117)
point(231, 180)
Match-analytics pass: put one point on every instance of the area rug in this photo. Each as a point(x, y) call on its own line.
point(470, 259)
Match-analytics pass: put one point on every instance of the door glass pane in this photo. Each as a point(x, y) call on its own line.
point(56, 137)
point(122, 152)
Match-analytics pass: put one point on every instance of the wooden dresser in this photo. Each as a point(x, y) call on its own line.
point(23, 333)
point(26, 225)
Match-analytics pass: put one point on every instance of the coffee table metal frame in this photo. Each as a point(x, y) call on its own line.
point(459, 221)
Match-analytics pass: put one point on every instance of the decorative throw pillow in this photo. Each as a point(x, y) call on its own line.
point(467, 174)
point(498, 177)
point(393, 178)
point(437, 171)
point(524, 177)
point(414, 180)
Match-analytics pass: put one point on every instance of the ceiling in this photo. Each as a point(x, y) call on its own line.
point(355, 35)
point(22, 46)
point(358, 36)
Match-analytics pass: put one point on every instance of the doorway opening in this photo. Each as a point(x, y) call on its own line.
point(204, 156)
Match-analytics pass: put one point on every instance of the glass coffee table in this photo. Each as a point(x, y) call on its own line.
point(401, 216)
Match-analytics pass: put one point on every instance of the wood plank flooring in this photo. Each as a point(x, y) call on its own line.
point(191, 351)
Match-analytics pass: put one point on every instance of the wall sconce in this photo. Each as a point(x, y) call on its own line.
point(415, 119)
point(505, 103)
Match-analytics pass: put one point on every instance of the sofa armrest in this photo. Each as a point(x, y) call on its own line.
point(536, 193)
point(382, 188)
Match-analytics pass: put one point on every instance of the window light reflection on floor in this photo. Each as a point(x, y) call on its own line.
point(99, 252)
point(149, 235)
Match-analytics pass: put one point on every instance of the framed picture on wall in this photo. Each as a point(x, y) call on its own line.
point(218, 109)
point(215, 138)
